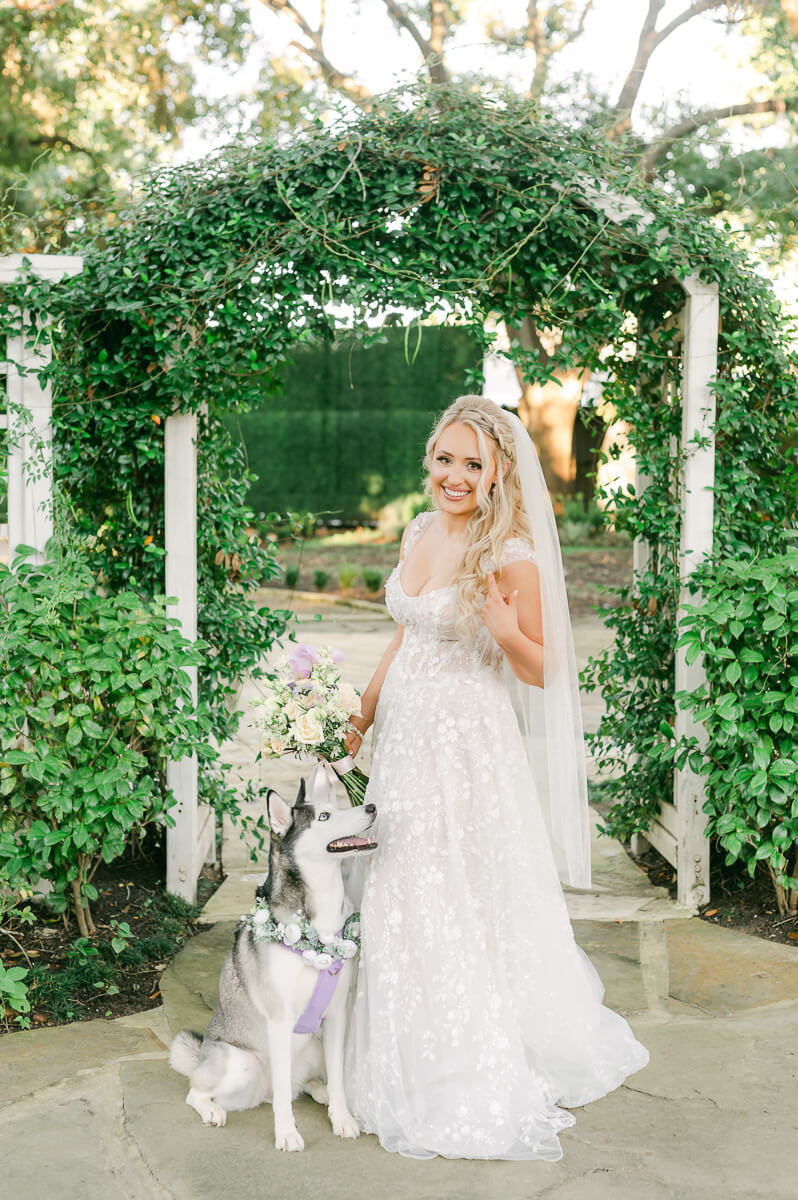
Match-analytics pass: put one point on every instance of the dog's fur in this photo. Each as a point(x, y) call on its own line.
point(250, 1053)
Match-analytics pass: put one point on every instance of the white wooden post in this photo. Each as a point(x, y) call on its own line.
point(700, 364)
point(30, 477)
point(192, 840)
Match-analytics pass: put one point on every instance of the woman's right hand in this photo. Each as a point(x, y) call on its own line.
point(353, 739)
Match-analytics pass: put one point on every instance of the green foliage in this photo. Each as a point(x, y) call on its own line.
point(346, 577)
point(13, 989)
point(346, 431)
point(291, 577)
point(91, 93)
point(372, 579)
point(320, 580)
point(94, 697)
point(430, 202)
point(746, 626)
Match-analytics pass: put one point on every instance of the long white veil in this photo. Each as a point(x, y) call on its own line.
point(550, 718)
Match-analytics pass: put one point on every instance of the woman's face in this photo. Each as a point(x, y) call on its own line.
point(456, 469)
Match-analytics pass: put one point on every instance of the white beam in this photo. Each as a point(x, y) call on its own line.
point(191, 839)
point(47, 266)
point(697, 481)
point(30, 472)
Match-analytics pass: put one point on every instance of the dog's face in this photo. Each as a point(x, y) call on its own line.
point(314, 828)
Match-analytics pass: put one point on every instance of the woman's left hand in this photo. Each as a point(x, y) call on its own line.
point(500, 613)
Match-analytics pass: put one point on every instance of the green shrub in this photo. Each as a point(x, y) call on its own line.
point(320, 580)
point(346, 577)
point(94, 698)
point(372, 579)
point(291, 575)
point(747, 628)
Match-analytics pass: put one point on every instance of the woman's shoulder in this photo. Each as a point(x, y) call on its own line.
point(516, 549)
point(413, 530)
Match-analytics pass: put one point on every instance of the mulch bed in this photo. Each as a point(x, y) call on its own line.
point(69, 983)
point(737, 901)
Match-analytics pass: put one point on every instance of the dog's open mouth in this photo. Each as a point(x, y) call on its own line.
point(351, 843)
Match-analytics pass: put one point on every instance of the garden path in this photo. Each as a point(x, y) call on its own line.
point(92, 1110)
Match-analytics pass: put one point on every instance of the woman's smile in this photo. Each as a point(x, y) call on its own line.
point(455, 493)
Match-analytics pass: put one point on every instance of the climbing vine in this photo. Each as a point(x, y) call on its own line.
point(194, 297)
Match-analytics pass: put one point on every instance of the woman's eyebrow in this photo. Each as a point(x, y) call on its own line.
point(466, 458)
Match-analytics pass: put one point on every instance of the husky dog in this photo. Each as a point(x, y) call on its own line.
point(250, 1052)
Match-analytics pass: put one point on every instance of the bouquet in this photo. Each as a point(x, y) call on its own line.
point(306, 710)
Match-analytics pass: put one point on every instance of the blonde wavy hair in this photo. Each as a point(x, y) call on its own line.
point(500, 511)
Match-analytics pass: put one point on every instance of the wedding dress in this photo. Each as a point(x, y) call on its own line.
point(476, 1015)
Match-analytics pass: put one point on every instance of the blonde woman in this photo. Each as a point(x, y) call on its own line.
point(478, 1020)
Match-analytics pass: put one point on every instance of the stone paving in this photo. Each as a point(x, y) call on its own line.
point(92, 1111)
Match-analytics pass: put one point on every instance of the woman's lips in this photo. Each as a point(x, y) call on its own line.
point(453, 495)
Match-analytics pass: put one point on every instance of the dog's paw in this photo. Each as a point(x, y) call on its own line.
point(318, 1091)
point(344, 1125)
point(214, 1115)
point(289, 1139)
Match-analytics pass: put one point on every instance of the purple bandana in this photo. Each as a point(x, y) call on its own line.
point(323, 993)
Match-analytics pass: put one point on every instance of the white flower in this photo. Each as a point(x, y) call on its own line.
point(354, 929)
point(292, 710)
point(348, 948)
point(261, 916)
point(309, 957)
point(308, 729)
point(322, 961)
point(292, 934)
point(278, 745)
point(349, 699)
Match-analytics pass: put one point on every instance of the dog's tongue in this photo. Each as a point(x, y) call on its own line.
point(352, 843)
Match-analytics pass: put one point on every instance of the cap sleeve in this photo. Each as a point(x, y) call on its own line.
point(517, 549)
point(413, 531)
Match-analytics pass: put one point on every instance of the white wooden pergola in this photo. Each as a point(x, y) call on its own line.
point(192, 840)
point(678, 832)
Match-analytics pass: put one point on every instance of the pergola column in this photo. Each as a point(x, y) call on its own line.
point(30, 473)
point(192, 839)
point(697, 480)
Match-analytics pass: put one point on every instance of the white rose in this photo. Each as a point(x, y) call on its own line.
point(322, 961)
point(308, 729)
point(277, 745)
point(261, 916)
point(349, 699)
point(309, 957)
point(292, 710)
point(292, 934)
point(348, 948)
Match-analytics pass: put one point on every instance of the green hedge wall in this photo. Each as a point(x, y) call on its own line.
point(346, 434)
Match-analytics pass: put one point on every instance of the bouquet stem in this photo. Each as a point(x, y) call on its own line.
point(355, 783)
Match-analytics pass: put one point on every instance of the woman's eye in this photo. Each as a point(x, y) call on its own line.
point(324, 816)
point(475, 466)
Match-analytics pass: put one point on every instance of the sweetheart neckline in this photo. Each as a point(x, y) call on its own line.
point(418, 595)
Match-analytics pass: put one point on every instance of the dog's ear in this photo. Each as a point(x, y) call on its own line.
point(300, 796)
point(281, 815)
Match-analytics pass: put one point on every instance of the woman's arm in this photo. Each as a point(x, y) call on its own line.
point(513, 615)
point(368, 701)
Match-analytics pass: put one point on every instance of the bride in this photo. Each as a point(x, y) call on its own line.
point(477, 1019)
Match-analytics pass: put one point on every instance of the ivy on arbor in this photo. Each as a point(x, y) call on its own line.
point(441, 201)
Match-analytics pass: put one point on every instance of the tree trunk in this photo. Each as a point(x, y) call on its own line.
point(77, 903)
point(549, 413)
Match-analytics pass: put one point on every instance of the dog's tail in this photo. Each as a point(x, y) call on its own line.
point(184, 1052)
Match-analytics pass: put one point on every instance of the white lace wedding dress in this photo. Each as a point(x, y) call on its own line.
point(476, 1014)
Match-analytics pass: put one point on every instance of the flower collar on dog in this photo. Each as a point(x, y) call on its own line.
point(301, 938)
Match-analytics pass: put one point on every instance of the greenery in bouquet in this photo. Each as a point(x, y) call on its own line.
point(306, 709)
